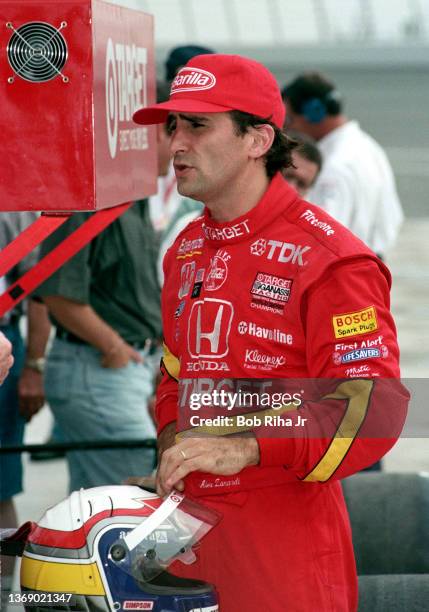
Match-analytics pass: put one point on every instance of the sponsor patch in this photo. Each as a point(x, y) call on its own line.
point(362, 370)
point(309, 216)
point(218, 271)
point(271, 290)
point(226, 233)
point(209, 327)
point(179, 310)
point(355, 323)
point(192, 79)
point(187, 274)
point(256, 360)
point(283, 252)
point(274, 335)
point(198, 285)
point(199, 277)
point(361, 355)
point(196, 290)
point(137, 605)
point(189, 248)
point(206, 365)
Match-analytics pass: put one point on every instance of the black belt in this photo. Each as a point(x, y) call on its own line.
point(63, 334)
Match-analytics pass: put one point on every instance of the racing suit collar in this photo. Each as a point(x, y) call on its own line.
point(276, 200)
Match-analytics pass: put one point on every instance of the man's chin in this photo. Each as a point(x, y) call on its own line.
point(185, 190)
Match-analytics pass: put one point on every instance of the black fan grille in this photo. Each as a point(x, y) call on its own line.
point(37, 51)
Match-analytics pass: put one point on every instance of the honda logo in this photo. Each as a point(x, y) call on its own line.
point(209, 327)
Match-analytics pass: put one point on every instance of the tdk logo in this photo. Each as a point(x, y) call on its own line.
point(283, 252)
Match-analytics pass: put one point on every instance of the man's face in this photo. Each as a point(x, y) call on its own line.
point(297, 122)
point(303, 176)
point(207, 153)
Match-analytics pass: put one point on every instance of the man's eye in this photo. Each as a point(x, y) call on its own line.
point(195, 124)
point(171, 126)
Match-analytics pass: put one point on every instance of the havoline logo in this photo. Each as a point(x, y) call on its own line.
point(192, 79)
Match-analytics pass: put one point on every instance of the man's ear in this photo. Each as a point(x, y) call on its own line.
point(263, 137)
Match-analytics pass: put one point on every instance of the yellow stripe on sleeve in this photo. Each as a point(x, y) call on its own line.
point(171, 363)
point(357, 393)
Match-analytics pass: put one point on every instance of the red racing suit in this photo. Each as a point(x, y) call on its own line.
point(283, 292)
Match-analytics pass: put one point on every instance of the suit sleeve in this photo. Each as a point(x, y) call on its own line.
point(352, 351)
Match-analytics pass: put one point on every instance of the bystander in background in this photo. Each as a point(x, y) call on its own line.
point(104, 304)
point(356, 185)
point(307, 163)
point(21, 393)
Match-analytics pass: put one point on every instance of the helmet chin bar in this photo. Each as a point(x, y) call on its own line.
point(168, 534)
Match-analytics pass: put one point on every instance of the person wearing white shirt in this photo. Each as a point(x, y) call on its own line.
point(356, 184)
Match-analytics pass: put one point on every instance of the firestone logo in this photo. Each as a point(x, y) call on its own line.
point(126, 91)
point(192, 79)
point(309, 216)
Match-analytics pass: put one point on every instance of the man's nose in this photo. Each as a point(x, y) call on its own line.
point(178, 141)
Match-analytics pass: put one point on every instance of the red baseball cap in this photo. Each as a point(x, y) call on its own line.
point(219, 83)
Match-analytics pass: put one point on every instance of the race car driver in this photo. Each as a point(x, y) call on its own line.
point(267, 286)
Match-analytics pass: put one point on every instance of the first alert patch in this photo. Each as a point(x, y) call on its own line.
point(355, 323)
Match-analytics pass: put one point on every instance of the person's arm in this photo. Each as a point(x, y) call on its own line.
point(177, 458)
point(82, 321)
point(30, 387)
point(358, 421)
point(6, 359)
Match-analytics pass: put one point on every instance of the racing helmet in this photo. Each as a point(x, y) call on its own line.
point(107, 549)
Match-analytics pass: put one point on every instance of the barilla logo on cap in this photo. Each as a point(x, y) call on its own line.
point(192, 79)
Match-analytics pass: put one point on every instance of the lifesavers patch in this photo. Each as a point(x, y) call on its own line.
point(355, 323)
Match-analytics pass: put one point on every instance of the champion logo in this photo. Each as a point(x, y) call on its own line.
point(192, 79)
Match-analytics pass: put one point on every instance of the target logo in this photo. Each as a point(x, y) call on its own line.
point(111, 99)
point(126, 92)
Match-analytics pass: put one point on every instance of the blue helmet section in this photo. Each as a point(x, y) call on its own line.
point(168, 594)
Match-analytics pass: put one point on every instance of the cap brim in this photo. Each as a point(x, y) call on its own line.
point(158, 113)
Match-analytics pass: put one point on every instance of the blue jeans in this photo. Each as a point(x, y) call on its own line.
point(11, 422)
point(90, 402)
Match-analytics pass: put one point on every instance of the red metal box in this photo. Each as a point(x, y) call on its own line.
point(72, 73)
